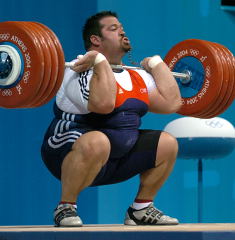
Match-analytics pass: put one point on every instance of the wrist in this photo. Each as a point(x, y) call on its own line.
point(99, 58)
point(154, 61)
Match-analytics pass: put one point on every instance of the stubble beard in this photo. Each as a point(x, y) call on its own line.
point(126, 47)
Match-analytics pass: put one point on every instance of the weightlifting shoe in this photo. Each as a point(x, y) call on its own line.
point(65, 215)
point(148, 216)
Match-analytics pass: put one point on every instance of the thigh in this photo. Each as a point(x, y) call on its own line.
point(56, 147)
point(141, 158)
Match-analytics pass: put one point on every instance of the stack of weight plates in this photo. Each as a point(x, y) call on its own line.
point(212, 66)
point(31, 64)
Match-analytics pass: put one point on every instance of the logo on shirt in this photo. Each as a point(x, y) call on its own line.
point(120, 91)
point(143, 90)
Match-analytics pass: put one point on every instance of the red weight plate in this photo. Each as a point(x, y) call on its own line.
point(204, 113)
point(47, 63)
point(61, 61)
point(50, 79)
point(232, 85)
point(212, 83)
point(212, 110)
point(47, 67)
point(29, 47)
point(229, 82)
point(54, 65)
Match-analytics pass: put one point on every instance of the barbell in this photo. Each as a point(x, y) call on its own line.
point(32, 67)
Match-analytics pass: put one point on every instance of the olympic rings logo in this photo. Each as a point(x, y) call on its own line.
point(214, 124)
point(208, 71)
point(26, 77)
point(6, 93)
point(194, 52)
point(4, 36)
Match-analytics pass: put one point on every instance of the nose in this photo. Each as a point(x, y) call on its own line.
point(122, 32)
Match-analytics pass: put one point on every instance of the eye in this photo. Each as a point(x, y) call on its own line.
point(113, 28)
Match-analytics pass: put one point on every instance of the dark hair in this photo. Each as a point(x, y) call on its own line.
point(92, 26)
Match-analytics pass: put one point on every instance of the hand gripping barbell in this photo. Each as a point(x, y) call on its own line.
point(32, 68)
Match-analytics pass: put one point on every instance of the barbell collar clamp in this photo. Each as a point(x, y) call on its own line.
point(185, 77)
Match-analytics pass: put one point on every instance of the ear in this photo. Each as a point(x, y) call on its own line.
point(95, 40)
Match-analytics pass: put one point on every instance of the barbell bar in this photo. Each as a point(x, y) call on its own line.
point(185, 77)
point(32, 67)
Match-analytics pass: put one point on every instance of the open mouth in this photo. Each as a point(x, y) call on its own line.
point(126, 40)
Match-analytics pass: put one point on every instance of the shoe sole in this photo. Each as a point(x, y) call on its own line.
point(68, 226)
point(130, 222)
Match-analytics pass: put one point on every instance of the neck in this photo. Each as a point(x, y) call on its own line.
point(114, 59)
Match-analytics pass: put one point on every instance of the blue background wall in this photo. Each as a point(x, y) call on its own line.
point(28, 193)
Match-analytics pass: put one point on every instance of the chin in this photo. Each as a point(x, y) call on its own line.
point(126, 48)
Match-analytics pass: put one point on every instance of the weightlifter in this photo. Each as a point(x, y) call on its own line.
point(94, 138)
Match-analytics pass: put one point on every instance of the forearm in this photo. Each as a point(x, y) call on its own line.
point(102, 93)
point(102, 87)
point(166, 97)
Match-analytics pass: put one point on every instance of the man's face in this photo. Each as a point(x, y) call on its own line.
point(113, 36)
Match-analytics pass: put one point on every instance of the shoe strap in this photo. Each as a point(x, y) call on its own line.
point(66, 211)
point(154, 213)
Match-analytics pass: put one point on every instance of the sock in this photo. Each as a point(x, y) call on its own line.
point(64, 202)
point(141, 203)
